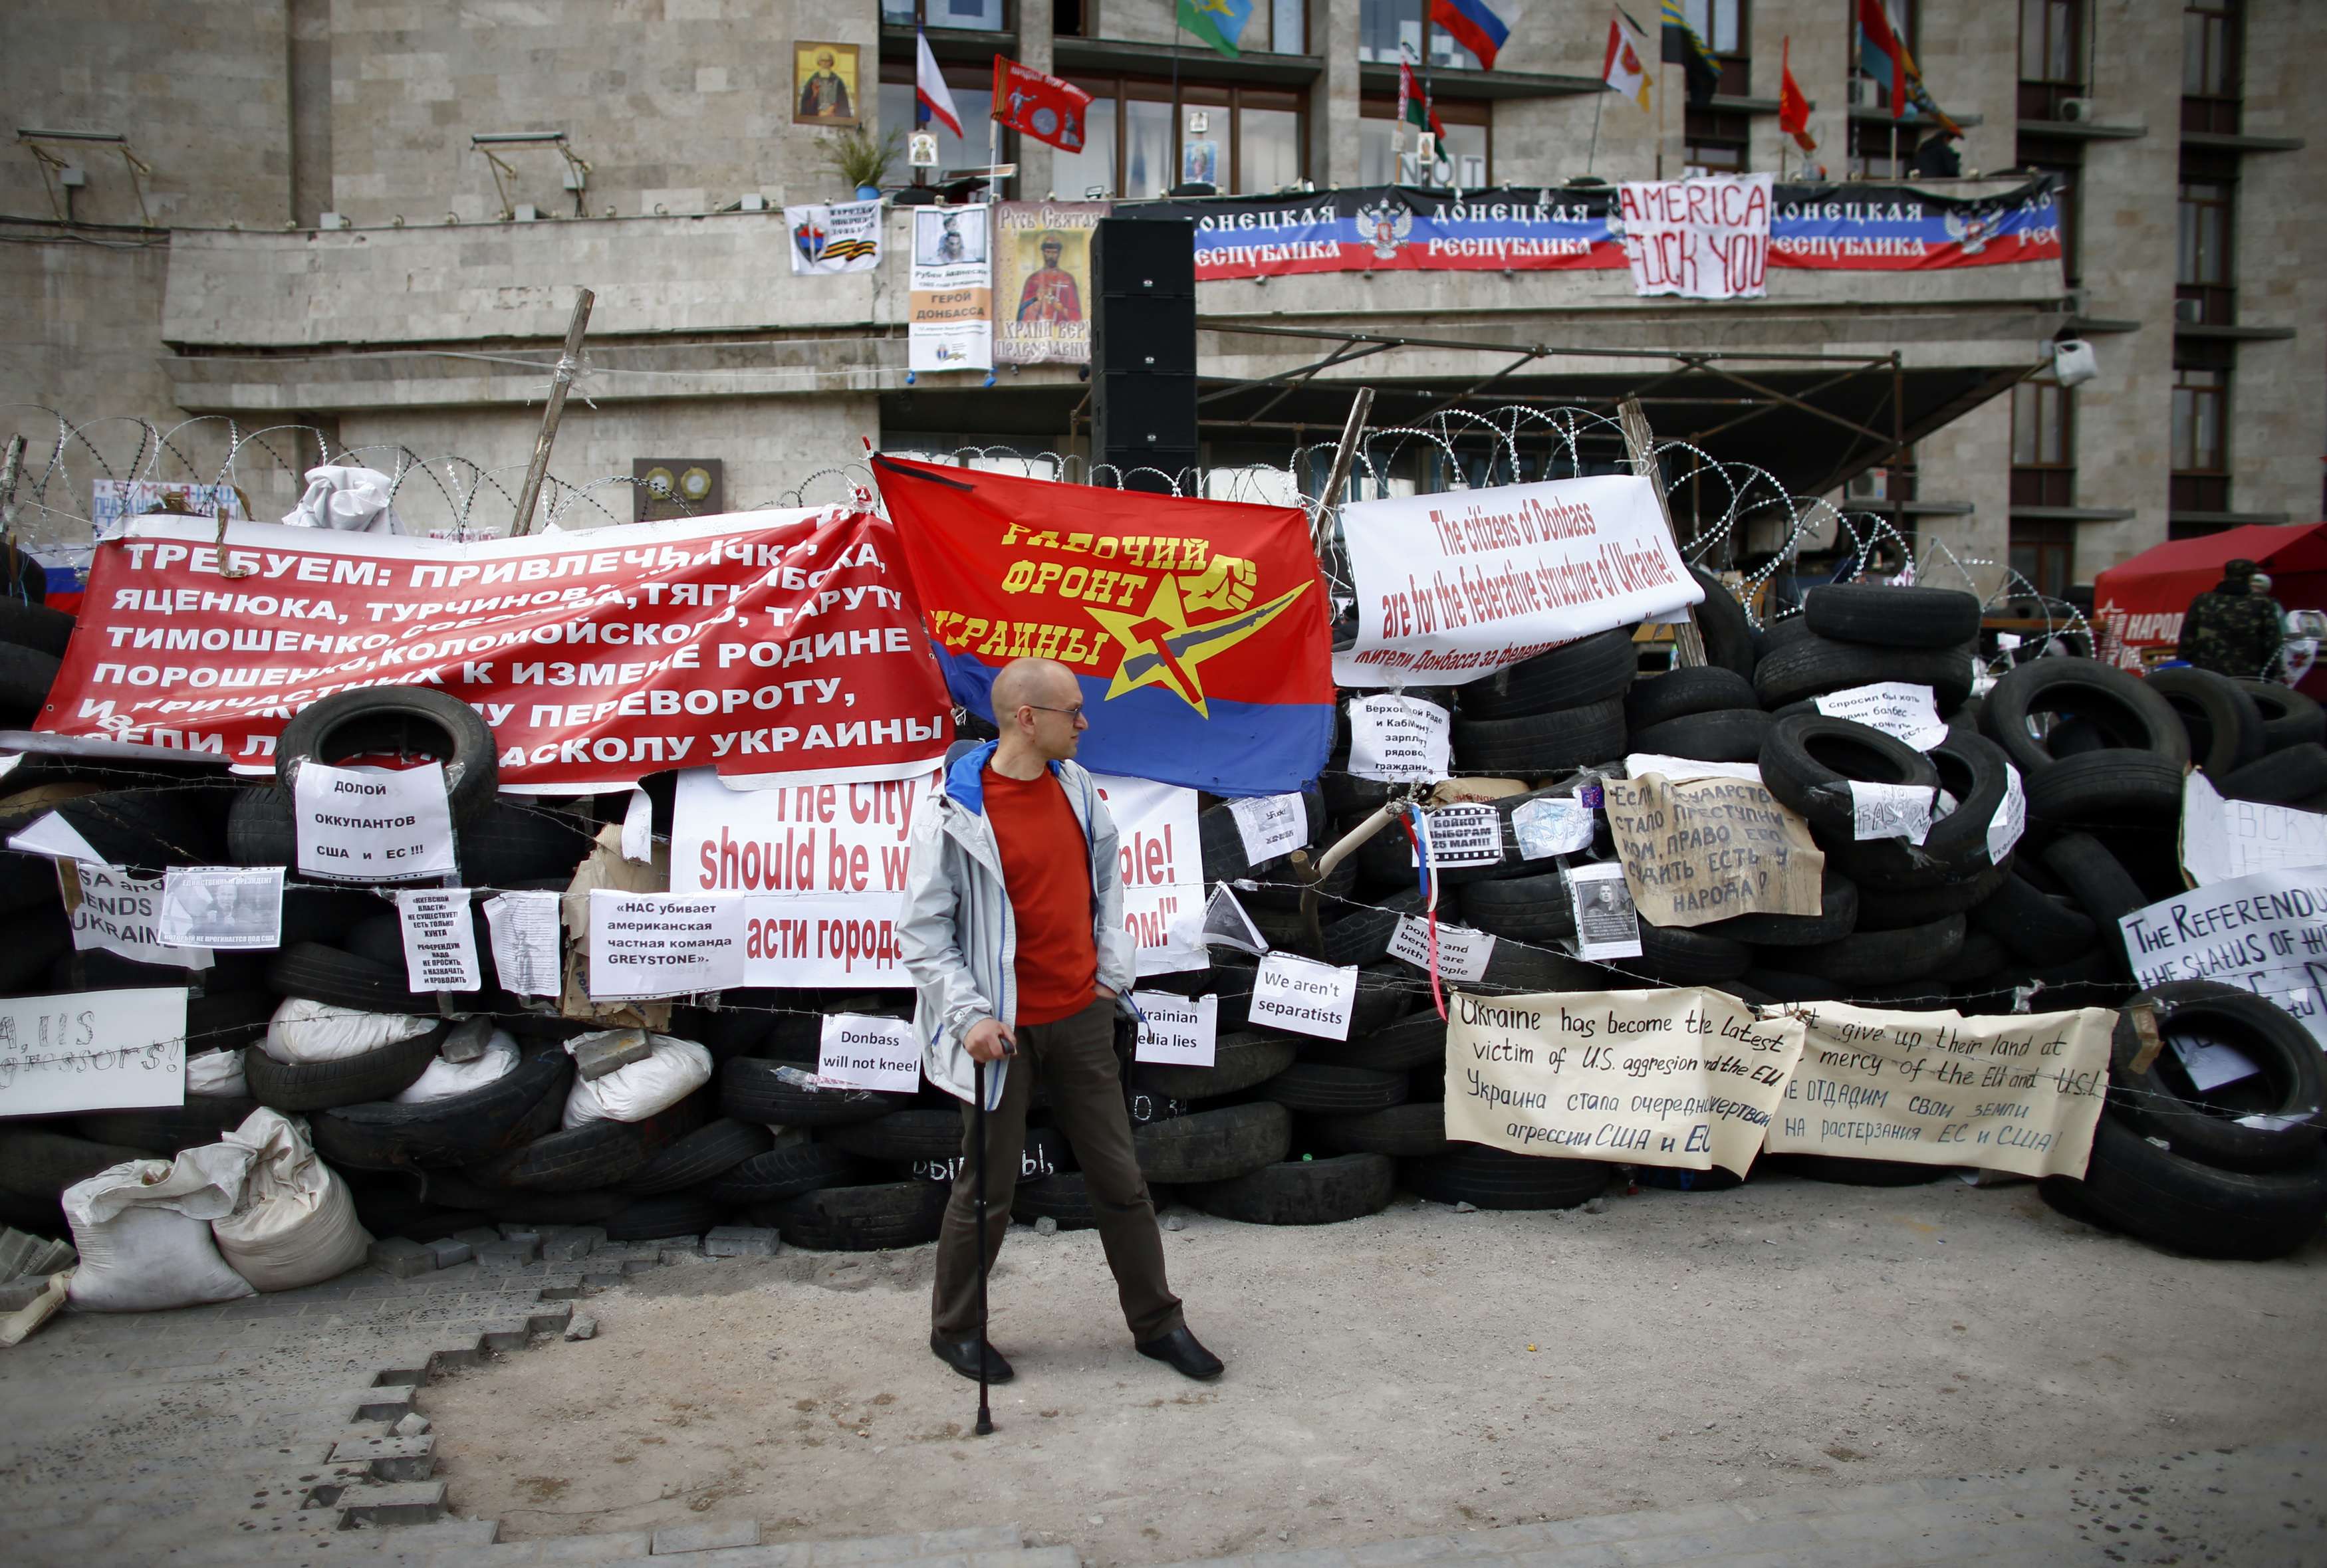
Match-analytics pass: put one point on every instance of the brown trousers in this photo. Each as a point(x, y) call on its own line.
point(1075, 1059)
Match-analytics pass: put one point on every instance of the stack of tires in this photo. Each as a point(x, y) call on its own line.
point(33, 638)
point(2235, 1171)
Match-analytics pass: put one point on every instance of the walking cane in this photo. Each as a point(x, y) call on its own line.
point(985, 1412)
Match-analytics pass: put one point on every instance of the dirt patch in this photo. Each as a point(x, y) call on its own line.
point(1416, 1372)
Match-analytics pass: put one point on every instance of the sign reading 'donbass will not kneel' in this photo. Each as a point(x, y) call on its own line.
point(860, 1052)
point(371, 824)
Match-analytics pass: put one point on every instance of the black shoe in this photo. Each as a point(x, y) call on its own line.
point(1180, 1351)
point(961, 1355)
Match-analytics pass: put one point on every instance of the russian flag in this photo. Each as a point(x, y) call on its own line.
point(1475, 27)
point(1196, 629)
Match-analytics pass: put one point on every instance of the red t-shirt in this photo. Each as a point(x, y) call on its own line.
point(1046, 869)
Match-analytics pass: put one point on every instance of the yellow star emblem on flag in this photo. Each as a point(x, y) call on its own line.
point(1162, 648)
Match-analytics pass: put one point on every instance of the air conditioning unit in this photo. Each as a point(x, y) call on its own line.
point(2077, 110)
point(526, 212)
point(333, 220)
point(2191, 312)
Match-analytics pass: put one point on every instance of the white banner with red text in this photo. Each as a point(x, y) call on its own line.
point(753, 643)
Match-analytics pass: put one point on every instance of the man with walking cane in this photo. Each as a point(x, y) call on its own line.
point(1012, 930)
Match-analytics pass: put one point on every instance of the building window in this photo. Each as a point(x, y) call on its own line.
point(2043, 445)
point(1387, 26)
point(1884, 149)
point(2200, 478)
point(1288, 26)
point(2211, 84)
point(1240, 140)
point(1723, 24)
point(2202, 265)
point(1716, 142)
point(969, 16)
point(1388, 159)
point(2051, 57)
point(1386, 156)
point(2064, 161)
point(2045, 554)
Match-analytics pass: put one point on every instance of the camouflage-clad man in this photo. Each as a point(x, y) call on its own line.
point(2233, 631)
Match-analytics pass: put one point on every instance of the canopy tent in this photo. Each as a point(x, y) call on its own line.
point(2138, 604)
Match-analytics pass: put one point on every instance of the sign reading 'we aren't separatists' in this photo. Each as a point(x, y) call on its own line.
point(1683, 1077)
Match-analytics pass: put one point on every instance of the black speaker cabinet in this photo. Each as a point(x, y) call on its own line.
point(1145, 258)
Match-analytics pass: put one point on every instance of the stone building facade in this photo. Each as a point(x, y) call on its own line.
point(299, 230)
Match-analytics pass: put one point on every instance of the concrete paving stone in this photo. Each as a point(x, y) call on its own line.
point(395, 1502)
point(389, 1459)
point(569, 1243)
point(449, 1252)
point(673, 1539)
point(477, 1235)
point(1587, 1555)
point(740, 1241)
point(619, 1546)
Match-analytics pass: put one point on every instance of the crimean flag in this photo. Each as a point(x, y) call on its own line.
point(1794, 108)
point(1626, 67)
point(1197, 628)
point(1474, 26)
point(932, 100)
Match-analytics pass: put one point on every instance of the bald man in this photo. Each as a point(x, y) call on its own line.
point(1013, 934)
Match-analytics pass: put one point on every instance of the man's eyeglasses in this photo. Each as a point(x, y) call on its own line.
point(1073, 712)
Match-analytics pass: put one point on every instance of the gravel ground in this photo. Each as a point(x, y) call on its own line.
point(1419, 1371)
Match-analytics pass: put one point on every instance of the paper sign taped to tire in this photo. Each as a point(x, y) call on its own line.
point(1683, 1077)
point(371, 824)
point(2017, 1092)
point(655, 945)
point(1711, 848)
point(93, 1051)
point(753, 642)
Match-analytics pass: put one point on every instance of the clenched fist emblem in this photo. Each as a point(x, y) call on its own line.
point(1226, 582)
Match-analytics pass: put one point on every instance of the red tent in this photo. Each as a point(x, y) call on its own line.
point(2138, 604)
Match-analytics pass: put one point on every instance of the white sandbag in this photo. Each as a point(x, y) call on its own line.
point(631, 1094)
point(442, 1080)
point(309, 1032)
point(218, 1074)
point(355, 500)
point(142, 1228)
point(297, 1224)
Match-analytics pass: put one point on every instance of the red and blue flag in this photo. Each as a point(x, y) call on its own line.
point(1197, 628)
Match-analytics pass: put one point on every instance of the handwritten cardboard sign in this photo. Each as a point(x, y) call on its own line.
point(2012, 1093)
point(2266, 932)
point(1683, 1077)
point(92, 1050)
point(2222, 840)
point(1711, 848)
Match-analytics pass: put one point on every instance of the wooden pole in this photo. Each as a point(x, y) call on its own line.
point(1360, 406)
point(1640, 445)
point(569, 363)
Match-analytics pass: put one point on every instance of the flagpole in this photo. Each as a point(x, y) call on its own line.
point(1592, 157)
point(1425, 176)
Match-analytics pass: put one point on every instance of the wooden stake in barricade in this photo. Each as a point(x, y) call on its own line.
point(1306, 870)
point(1640, 446)
point(561, 378)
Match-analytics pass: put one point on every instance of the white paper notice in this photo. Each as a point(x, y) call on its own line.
point(120, 913)
point(1607, 926)
point(1706, 239)
point(1891, 811)
point(1227, 924)
point(525, 951)
point(2210, 1063)
point(638, 828)
point(1461, 835)
point(860, 1052)
point(1462, 953)
point(2266, 932)
point(1681, 770)
point(230, 907)
point(648, 945)
point(1303, 996)
point(372, 824)
point(1549, 827)
point(2011, 818)
point(440, 939)
point(1401, 740)
point(1271, 825)
point(2222, 839)
point(92, 1050)
point(1905, 712)
point(53, 836)
point(1180, 1031)
point(1161, 853)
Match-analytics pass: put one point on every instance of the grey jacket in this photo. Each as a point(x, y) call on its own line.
point(958, 937)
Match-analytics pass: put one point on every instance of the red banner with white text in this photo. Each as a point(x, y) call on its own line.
point(756, 643)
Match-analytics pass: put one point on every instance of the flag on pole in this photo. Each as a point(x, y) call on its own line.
point(1883, 55)
point(1626, 69)
point(1474, 26)
point(1794, 108)
point(1218, 23)
point(1413, 107)
point(1683, 48)
point(929, 92)
point(1039, 104)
